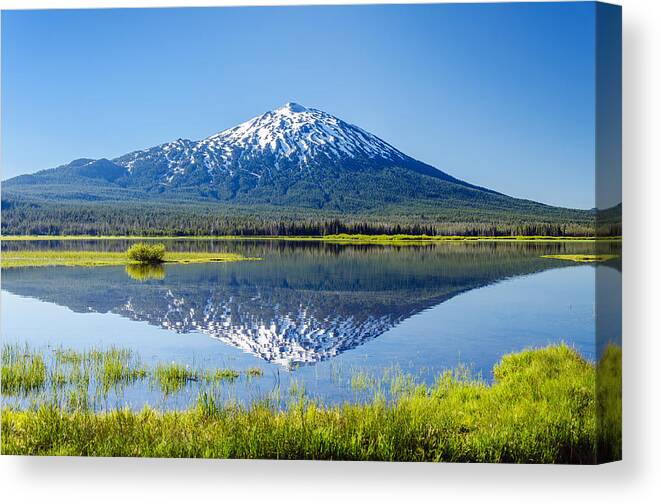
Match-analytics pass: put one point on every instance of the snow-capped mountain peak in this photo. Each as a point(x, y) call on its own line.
point(291, 108)
point(296, 133)
point(286, 138)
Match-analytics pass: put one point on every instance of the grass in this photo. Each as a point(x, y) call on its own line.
point(609, 403)
point(173, 377)
point(229, 374)
point(404, 238)
point(254, 372)
point(25, 370)
point(22, 370)
point(146, 253)
point(67, 356)
point(541, 408)
point(117, 366)
point(582, 258)
point(23, 258)
point(362, 381)
point(357, 238)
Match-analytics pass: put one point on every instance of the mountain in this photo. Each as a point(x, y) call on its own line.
point(292, 156)
point(292, 143)
point(295, 159)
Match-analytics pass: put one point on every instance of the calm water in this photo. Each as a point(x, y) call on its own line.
point(313, 314)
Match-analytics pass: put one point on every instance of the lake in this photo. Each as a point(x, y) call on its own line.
point(312, 315)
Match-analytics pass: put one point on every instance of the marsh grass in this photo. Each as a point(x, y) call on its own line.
point(296, 389)
point(218, 375)
point(70, 367)
point(208, 405)
point(146, 253)
point(74, 377)
point(116, 366)
point(173, 377)
point(541, 408)
point(254, 372)
point(89, 258)
point(582, 258)
point(362, 380)
point(23, 370)
point(403, 238)
point(67, 356)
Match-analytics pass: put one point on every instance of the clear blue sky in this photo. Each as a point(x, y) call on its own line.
point(498, 95)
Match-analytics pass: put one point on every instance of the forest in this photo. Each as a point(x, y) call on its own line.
point(153, 219)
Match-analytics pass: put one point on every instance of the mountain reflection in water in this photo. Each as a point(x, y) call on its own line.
point(302, 303)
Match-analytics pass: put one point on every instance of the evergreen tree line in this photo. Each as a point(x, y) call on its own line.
point(98, 220)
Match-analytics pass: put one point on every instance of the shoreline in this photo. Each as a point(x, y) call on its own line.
point(39, 258)
point(339, 238)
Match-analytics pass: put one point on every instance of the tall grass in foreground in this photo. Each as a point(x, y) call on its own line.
point(541, 408)
point(22, 370)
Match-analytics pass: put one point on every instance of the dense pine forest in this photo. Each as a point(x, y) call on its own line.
point(39, 218)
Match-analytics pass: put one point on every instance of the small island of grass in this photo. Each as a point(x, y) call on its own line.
point(138, 254)
point(146, 253)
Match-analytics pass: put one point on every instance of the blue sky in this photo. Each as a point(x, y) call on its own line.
point(499, 95)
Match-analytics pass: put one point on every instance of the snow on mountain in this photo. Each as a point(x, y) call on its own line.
point(289, 137)
point(290, 157)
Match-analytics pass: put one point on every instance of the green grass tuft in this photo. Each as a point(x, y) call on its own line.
point(173, 377)
point(254, 372)
point(218, 375)
point(22, 370)
point(146, 253)
point(117, 366)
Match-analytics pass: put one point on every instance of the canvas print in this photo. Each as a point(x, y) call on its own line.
point(358, 232)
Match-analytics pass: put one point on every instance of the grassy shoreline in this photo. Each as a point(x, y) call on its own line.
point(582, 258)
point(541, 408)
point(339, 238)
point(35, 258)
